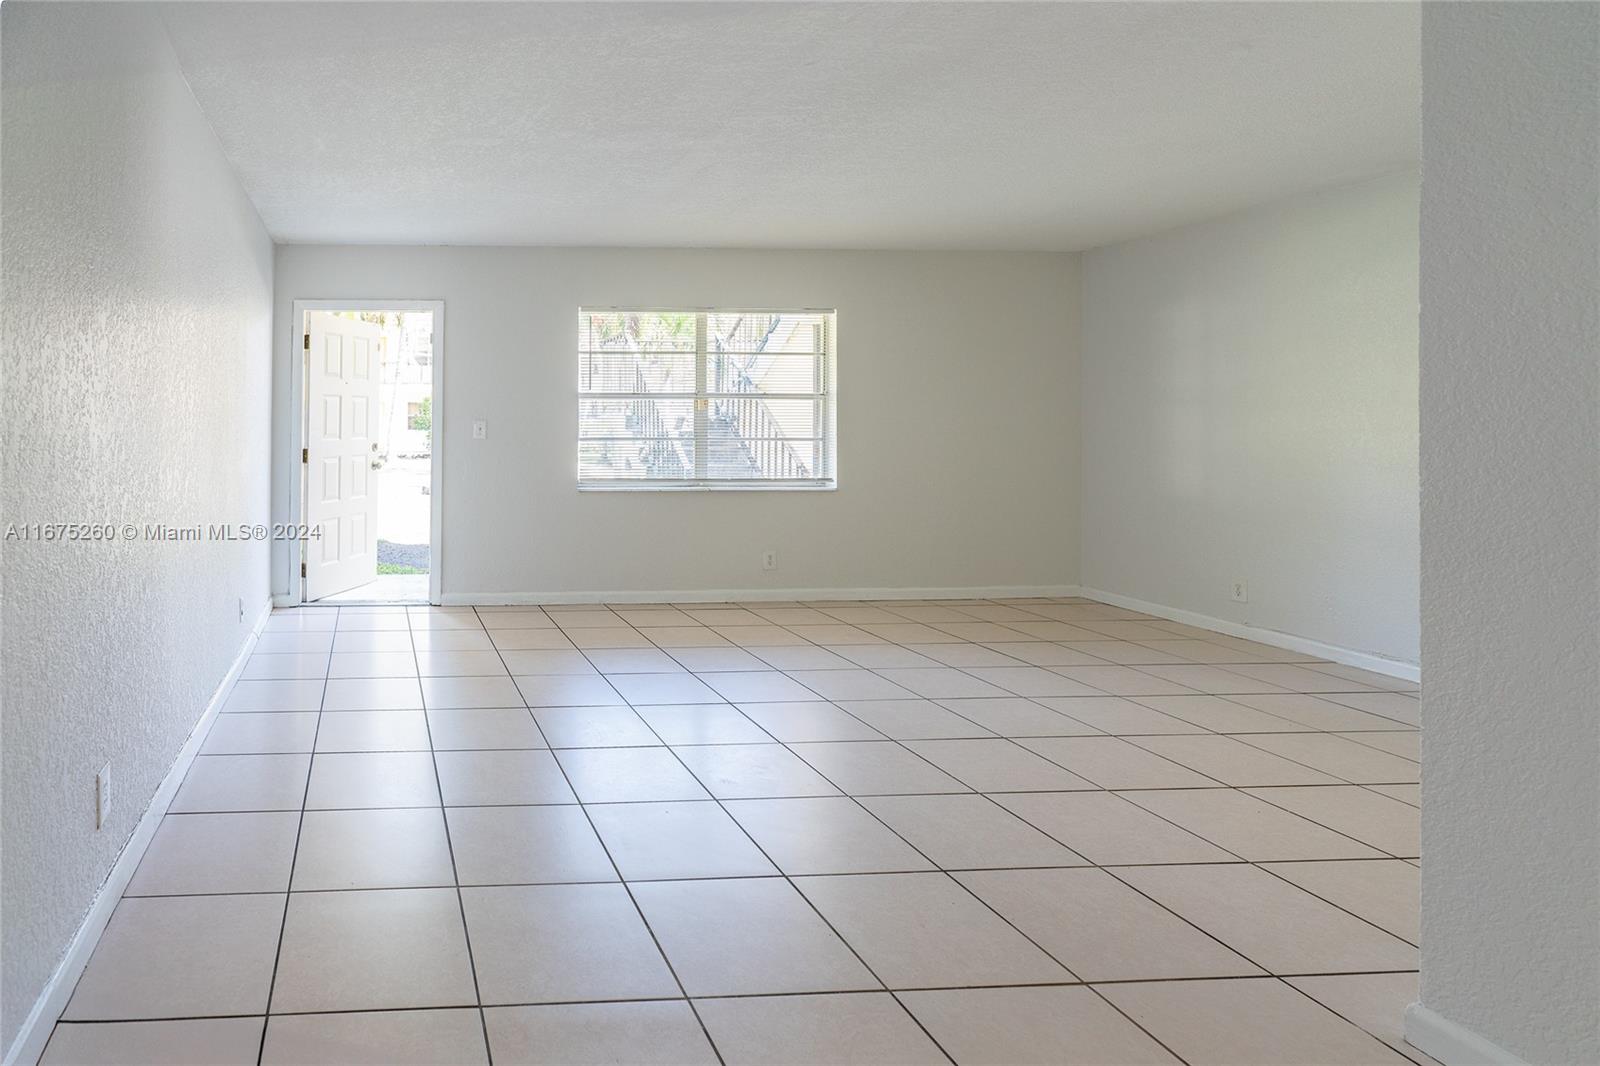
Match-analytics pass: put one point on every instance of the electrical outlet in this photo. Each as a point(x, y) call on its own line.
point(241, 608)
point(102, 796)
point(1239, 592)
point(480, 429)
point(769, 559)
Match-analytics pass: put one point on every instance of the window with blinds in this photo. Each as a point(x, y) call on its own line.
point(705, 399)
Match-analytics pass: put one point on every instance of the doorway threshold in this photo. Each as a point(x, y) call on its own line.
point(384, 589)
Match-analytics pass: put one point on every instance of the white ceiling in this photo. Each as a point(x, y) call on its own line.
point(973, 125)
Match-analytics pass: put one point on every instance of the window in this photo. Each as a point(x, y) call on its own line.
point(705, 399)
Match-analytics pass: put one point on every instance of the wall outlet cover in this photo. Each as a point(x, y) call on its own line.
point(1239, 591)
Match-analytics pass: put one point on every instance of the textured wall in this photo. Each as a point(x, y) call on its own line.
point(136, 325)
point(1250, 411)
point(957, 410)
point(1511, 524)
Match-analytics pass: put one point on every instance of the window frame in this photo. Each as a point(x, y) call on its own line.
point(826, 402)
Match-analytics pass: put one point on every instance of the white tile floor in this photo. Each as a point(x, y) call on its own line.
point(987, 832)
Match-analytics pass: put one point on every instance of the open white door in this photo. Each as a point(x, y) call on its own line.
point(342, 375)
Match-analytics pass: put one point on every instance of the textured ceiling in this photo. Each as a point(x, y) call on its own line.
point(981, 125)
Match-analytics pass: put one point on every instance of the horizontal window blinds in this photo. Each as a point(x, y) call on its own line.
point(705, 398)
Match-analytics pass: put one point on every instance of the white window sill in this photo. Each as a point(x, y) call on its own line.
point(645, 486)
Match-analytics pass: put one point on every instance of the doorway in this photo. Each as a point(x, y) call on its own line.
point(369, 451)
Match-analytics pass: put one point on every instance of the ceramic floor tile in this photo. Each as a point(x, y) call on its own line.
point(303, 642)
point(1013, 716)
point(702, 723)
point(595, 637)
point(488, 778)
point(530, 640)
point(467, 728)
point(1246, 1023)
point(261, 733)
point(373, 950)
point(1108, 830)
point(534, 662)
point(757, 686)
point(1233, 762)
point(925, 930)
point(1124, 681)
point(1341, 758)
point(754, 771)
point(661, 841)
point(373, 731)
point(1298, 678)
point(460, 663)
point(1269, 921)
point(632, 661)
point(1393, 705)
point(243, 783)
point(1365, 677)
point(526, 845)
point(424, 640)
point(808, 721)
point(1249, 827)
point(304, 695)
point(404, 848)
point(1408, 794)
point(372, 694)
point(1043, 1026)
point(747, 936)
point(829, 835)
point(1111, 762)
point(474, 691)
point(1317, 712)
point(866, 1028)
point(192, 1042)
point(876, 768)
point(350, 642)
point(651, 1033)
point(593, 727)
point(217, 853)
point(1406, 744)
point(1384, 891)
point(567, 690)
point(181, 956)
point(1119, 716)
point(624, 775)
point(717, 660)
point(968, 832)
point(846, 685)
point(397, 663)
point(941, 682)
point(1386, 824)
point(803, 657)
point(260, 667)
point(888, 656)
point(376, 1038)
point(997, 766)
point(1122, 653)
point(372, 779)
point(679, 687)
point(1376, 1002)
point(1101, 929)
point(562, 943)
point(1220, 715)
point(917, 719)
point(1033, 681)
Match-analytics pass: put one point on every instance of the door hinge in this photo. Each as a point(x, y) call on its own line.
point(306, 344)
point(302, 569)
point(305, 455)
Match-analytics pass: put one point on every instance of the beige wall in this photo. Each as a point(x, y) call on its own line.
point(1249, 399)
point(957, 444)
point(136, 331)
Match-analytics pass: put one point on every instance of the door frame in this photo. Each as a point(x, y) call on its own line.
point(299, 420)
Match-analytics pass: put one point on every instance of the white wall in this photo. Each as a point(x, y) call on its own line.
point(1511, 532)
point(136, 330)
point(1249, 401)
point(957, 388)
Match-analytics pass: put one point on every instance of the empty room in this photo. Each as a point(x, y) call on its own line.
point(800, 532)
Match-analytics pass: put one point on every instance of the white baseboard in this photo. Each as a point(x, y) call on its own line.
point(1451, 1044)
point(498, 599)
point(1349, 656)
point(35, 1031)
point(285, 599)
